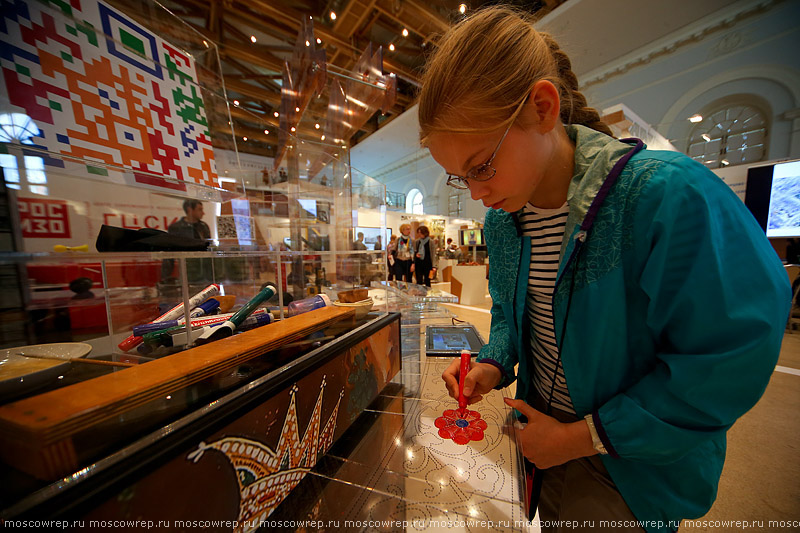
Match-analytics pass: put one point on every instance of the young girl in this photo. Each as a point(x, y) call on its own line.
point(423, 260)
point(636, 301)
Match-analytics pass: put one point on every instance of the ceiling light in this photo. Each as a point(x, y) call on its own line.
point(333, 15)
point(391, 47)
point(205, 43)
point(276, 114)
point(252, 38)
point(236, 102)
point(405, 32)
point(706, 137)
point(316, 125)
point(462, 8)
point(244, 138)
point(319, 41)
point(266, 132)
point(725, 162)
point(308, 43)
point(322, 138)
point(296, 109)
point(293, 128)
point(695, 119)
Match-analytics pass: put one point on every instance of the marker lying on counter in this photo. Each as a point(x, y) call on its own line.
point(176, 337)
point(205, 308)
point(212, 290)
point(227, 328)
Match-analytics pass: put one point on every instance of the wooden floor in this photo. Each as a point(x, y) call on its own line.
point(760, 480)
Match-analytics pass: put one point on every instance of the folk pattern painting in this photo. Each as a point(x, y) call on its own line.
point(101, 87)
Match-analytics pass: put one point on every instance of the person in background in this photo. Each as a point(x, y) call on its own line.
point(191, 225)
point(621, 303)
point(378, 244)
point(404, 257)
point(423, 259)
point(358, 244)
point(452, 251)
point(391, 256)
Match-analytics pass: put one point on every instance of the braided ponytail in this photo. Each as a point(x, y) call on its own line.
point(486, 65)
point(574, 108)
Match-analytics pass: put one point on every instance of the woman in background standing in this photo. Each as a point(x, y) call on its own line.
point(391, 256)
point(423, 259)
point(403, 259)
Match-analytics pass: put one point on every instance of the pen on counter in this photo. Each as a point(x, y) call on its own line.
point(175, 337)
point(133, 340)
point(226, 329)
point(212, 320)
point(205, 308)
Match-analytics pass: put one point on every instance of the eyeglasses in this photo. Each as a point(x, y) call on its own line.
point(484, 171)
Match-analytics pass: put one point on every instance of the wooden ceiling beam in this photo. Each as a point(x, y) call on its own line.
point(257, 93)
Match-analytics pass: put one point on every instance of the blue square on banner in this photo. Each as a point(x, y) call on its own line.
point(62, 138)
point(129, 135)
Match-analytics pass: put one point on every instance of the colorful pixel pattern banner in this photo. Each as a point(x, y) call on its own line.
point(101, 87)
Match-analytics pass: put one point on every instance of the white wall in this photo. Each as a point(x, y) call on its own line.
point(743, 51)
point(393, 156)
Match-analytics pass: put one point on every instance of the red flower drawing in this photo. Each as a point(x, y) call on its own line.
point(461, 426)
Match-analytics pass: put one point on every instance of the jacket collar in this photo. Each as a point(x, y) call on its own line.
point(595, 155)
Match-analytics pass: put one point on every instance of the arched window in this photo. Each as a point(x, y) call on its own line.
point(414, 202)
point(732, 134)
point(19, 170)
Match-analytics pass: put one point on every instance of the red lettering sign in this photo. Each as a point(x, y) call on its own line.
point(44, 219)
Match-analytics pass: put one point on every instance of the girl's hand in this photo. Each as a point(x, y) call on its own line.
point(547, 442)
point(412, 267)
point(482, 378)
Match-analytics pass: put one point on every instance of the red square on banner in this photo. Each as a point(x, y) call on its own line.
point(43, 218)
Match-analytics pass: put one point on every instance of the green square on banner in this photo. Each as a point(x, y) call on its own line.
point(100, 171)
point(132, 43)
point(54, 105)
point(22, 69)
point(66, 57)
point(72, 30)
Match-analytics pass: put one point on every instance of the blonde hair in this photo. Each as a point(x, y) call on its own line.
point(404, 226)
point(483, 69)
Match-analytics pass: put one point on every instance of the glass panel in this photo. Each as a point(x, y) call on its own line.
point(114, 235)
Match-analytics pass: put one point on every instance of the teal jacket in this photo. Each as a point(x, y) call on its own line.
point(677, 312)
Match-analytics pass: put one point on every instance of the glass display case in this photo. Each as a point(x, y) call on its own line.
point(116, 216)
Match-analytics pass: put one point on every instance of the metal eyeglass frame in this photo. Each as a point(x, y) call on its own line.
point(460, 182)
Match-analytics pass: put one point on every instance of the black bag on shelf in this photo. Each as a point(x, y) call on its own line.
point(114, 239)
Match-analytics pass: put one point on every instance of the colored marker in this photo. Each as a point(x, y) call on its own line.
point(196, 324)
point(205, 308)
point(227, 328)
point(177, 337)
point(212, 290)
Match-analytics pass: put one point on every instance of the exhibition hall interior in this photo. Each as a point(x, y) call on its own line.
point(236, 284)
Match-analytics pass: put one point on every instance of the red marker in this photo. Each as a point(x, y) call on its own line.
point(462, 425)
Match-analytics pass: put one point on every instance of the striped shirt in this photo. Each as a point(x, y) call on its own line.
point(545, 227)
